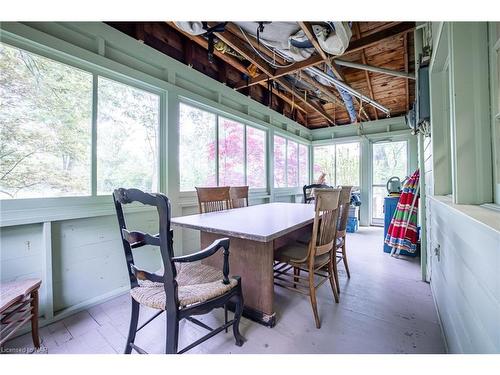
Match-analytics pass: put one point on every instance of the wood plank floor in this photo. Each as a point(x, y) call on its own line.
point(384, 308)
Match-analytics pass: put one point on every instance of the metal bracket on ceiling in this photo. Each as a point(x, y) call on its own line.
point(219, 28)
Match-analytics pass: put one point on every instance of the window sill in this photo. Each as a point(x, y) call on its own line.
point(483, 214)
point(34, 211)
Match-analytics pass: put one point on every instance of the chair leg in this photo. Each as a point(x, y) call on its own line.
point(34, 319)
point(312, 295)
point(344, 258)
point(331, 277)
point(225, 316)
point(172, 333)
point(335, 271)
point(134, 319)
point(237, 316)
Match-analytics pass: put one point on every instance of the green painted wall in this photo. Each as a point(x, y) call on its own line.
point(463, 238)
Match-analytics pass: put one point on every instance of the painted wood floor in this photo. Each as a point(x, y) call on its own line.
point(384, 308)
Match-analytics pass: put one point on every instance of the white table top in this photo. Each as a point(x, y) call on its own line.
point(263, 222)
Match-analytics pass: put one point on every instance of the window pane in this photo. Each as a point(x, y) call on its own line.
point(256, 158)
point(231, 153)
point(45, 117)
point(389, 159)
point(279, 161)
point(303, 165)
point(197, 148)
point(293, 164)
point(379, 193)
point(324, 162)
point(127, 127)
point(347, 163)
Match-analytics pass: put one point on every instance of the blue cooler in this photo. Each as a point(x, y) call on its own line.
point(390, 204)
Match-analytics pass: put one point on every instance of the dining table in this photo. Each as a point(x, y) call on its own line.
point(255, 232)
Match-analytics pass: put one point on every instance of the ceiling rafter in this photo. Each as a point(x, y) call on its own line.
point(367, 74)
point(355, 46)
point(234, 63)
point(240, 46)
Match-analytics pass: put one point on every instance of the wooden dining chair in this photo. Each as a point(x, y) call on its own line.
point(211, 199)
point(183, 287)
point(340, 243)
point(307, 191)
point(239, 196)
point(317, 257)
point(18, 306)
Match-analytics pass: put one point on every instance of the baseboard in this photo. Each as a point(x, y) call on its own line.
point(441, 327)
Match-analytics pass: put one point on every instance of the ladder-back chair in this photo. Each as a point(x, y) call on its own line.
point(211, 199)
point(307, 190)
point(239, 196)
point(184, 287)
point(340, 243)
point(317, 257)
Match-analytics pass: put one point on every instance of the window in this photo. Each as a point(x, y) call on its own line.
point(389, 159)
point(127, 145)
point(231, 153)
point(340, 163)
point(256, 158)
point(290, 163)
point(197, 148)
point(46, 121)
point(47, 131)
point(217, 151)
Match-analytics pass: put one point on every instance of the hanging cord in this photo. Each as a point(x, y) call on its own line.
point(262, 56)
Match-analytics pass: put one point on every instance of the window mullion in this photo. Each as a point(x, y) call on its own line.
point(95, 87)
point(245, 168)
point(217, 149)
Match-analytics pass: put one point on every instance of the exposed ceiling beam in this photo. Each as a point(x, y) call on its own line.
point(280, 72)
point(233, 62)
point(372, 39)
point(244, 50)
point(309, 32)
point(367, 75)
point(355, 46)
point(407, 82)
point(241, 47)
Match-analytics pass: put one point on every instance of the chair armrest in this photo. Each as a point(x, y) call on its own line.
point(209, 251)
point(145, 275)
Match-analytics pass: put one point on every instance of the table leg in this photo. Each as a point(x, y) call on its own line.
point(253, 262)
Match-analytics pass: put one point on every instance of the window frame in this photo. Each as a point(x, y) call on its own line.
point(299, 142)
point(221, 114)
point(95, 204)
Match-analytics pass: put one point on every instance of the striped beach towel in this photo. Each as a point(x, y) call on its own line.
point(402, 233)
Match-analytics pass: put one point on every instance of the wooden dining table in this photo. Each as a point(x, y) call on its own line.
point(255, 232)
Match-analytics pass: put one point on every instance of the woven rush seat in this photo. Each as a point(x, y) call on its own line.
point(293, 252)
point(196, 283)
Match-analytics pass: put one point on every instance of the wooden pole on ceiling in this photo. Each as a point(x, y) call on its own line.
point(367, 74)
point(407, 83)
